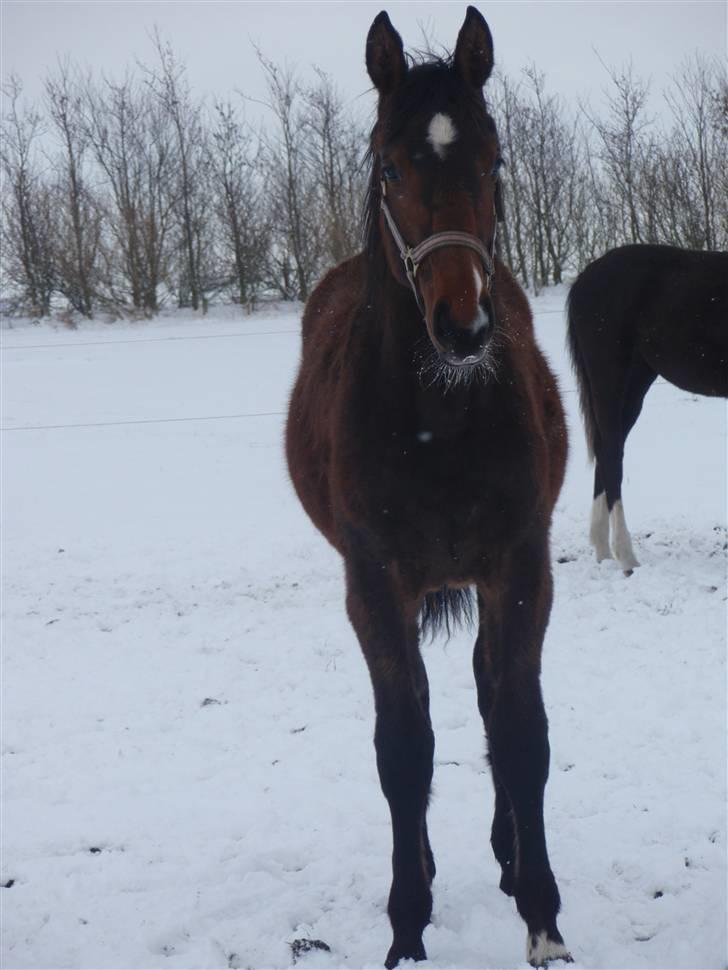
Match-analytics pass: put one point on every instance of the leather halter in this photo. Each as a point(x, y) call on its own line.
point(412, 256)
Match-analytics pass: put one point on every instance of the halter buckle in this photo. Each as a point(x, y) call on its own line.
point(410, 266)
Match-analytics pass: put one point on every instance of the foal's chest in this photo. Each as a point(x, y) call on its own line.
point(446, 503)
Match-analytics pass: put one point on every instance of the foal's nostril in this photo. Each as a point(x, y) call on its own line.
point(457, 341)
point(485, 319)
point(442, 325)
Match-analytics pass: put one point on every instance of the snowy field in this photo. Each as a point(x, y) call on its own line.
point(189, 776)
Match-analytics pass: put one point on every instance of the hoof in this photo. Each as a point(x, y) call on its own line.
point(402, 951)
point(628, 564)
point(542, 950)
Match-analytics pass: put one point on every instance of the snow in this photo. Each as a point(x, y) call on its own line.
point(189, 777)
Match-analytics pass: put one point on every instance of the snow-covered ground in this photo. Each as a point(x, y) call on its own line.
point(189, 777)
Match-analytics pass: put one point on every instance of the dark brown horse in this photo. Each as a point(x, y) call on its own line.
point(636, 313)
point(426, 440)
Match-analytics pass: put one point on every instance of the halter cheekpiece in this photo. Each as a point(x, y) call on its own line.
point(412, 256)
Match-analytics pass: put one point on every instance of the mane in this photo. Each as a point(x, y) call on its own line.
point(430, 80)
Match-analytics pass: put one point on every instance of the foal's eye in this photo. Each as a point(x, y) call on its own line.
point(497, 166)
point(390, 173)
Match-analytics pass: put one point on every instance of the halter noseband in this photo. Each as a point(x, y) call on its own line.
point(412, 256)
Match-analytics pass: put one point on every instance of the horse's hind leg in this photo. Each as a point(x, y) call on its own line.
point(605, 417)
point(507, 662)
point(404, 745)
point(599, 525)
point(610, 466)
point(610, 460)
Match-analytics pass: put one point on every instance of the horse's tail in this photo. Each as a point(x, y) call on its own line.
point(446, 610)
point(577, 362)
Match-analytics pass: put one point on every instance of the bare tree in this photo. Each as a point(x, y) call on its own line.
point(336, 146)
point(237, 193)
point(132, 143)
point(697, 138)
point(27, 212)
point(623, 148)
point(79, 226)
point(596, 227)
point(545, 185)
point(552, 166)
point(512, 137)
point(296, 226)
point(171, 89)
point(719, 120)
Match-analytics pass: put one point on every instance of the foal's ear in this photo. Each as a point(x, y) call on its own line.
point(473, 56)
point(385, 55)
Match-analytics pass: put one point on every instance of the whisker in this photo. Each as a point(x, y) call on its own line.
point(433, 371)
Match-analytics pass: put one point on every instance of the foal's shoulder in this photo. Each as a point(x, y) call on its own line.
point(336, 297)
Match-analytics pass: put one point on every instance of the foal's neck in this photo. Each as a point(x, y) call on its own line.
point(408, 374)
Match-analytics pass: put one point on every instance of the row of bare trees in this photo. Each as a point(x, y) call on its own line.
point(580, 183)
point(130, 194)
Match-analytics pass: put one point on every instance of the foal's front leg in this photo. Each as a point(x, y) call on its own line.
point(404, 742)
point(507, 666)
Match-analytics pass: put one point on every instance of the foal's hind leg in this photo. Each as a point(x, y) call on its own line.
point(507, 668)
point(404, 742)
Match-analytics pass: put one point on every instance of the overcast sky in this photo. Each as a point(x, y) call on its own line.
point(215, 38)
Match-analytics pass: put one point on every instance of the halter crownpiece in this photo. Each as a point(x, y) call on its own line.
point(412, 256)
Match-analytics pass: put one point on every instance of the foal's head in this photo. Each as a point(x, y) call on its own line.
point(436, 159)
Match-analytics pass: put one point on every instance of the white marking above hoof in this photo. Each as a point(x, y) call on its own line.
point(621, 539)
point(441, 133)
point(599, 528)
point(540, 950)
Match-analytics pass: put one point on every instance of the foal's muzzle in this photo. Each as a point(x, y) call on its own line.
point(412, 257)
point(461, 345)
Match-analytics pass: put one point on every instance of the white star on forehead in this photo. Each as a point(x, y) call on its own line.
point(441, 133)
